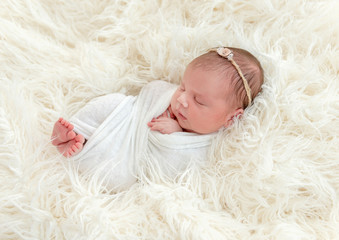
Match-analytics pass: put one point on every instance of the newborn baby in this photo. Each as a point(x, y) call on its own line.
point(216, 88)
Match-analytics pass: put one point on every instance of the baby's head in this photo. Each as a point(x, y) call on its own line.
point(213, 90)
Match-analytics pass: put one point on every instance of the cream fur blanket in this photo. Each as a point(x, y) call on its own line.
point(273, 175)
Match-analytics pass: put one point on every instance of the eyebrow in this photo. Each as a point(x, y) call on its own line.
point(199, 95)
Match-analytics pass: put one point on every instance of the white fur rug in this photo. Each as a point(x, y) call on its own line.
point(273, 175)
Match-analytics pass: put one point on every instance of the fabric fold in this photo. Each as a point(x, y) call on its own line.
point(123, 143)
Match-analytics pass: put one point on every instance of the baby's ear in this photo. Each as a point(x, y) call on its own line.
point(237, 113)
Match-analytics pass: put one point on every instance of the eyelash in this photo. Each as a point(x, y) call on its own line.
point(198, 102)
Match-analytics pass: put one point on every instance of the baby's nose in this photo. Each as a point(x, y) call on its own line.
point(183, 100)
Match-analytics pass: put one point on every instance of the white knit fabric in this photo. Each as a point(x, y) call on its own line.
point(119, 140)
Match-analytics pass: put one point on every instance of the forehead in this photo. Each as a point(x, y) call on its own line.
point(206, 82)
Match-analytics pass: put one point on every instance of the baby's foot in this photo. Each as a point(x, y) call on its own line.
point(62, 132)
point(72, 147)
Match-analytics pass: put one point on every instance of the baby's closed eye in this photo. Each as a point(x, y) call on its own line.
point(199, 101)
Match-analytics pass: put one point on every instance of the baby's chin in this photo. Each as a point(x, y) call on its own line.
point(185, 128)
point(184, 124)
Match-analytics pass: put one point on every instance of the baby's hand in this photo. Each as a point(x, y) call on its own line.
point(164, 124)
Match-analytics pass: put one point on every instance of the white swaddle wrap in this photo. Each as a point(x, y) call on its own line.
point(119, 140)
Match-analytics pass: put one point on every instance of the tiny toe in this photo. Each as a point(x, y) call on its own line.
point(71, 135)
point(70, 152)
point(78, 145)
point(80, 138)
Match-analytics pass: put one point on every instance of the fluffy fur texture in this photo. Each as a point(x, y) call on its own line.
point(273, 175)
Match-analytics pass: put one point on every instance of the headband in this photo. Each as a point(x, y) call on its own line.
point(228, 54)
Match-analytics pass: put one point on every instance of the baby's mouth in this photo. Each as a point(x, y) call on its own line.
point(182, 116)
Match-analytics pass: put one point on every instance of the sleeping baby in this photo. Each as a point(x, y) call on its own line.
point(165, 124)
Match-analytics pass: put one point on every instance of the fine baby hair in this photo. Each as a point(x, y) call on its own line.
point(242, 69)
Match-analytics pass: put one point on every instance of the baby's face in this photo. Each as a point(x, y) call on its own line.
point(200, 102)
